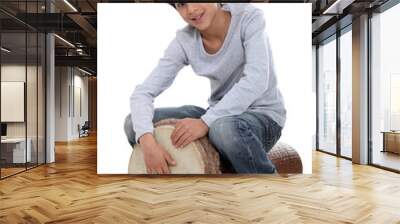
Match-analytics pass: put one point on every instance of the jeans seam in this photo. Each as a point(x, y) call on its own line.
point(276, 132)
point(264, 120)
point(242, 137)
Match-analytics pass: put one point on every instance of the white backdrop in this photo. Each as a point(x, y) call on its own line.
point(132, 38)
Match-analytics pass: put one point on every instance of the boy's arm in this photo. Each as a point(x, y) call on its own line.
point(257, 70)
point(162, 76)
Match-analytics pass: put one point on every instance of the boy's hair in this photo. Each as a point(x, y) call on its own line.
point(173, 4)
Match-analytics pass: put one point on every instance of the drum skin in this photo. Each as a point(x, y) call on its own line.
point(198, 157)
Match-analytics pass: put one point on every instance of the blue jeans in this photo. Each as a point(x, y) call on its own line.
point(241, 140)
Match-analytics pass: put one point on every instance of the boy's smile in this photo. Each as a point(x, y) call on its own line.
point(198, 15)
point(197, 18)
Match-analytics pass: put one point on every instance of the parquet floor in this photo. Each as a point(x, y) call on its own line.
point(9, 171)
point(70, 191)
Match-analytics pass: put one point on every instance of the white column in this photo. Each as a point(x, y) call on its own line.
point(50, 93)
point(360, 90)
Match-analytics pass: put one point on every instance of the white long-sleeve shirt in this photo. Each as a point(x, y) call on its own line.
point(241, 72)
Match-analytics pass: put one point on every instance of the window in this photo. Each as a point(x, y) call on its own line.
point(22, 66)
point(327, 96)
point(385, 89)
point(346, 93)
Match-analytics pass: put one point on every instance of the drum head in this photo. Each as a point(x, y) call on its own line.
point(188, 159)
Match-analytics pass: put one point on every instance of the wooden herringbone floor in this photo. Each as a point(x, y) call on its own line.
point(70, 191)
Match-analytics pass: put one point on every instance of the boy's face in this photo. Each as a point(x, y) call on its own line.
point(198, 15)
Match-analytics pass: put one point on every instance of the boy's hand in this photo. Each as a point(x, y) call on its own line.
point(156, 157)
point(187, 130)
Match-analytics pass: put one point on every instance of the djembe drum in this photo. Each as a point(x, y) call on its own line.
point(200, 156)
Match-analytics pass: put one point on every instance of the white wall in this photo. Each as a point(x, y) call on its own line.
point(61, 103)
point(15, 72)
point(68, 81)
point(80, 83)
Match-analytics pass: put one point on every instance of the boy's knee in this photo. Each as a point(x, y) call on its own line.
point(223, 134)
point(193, 108)
point(128, 126)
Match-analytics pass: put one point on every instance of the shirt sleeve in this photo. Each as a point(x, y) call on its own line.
point(162, 76)
point(256, 72)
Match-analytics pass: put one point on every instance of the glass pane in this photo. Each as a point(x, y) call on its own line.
point(327, 96)
point(346, 94)
point(386, 89)
point(22, 88)
point(41, 98)
point(13, 87)
point(31, 101)
point(31, 87)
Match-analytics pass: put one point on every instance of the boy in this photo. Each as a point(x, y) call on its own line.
point(226, 43)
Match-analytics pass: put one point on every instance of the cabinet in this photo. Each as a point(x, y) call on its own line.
point(391, 141)
point(13, 150)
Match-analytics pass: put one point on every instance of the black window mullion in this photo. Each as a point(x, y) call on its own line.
point(37, 90)
point(338, 92)
point(369, 89)
point(26, 87)
point(0, 96)
point(317, 95)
